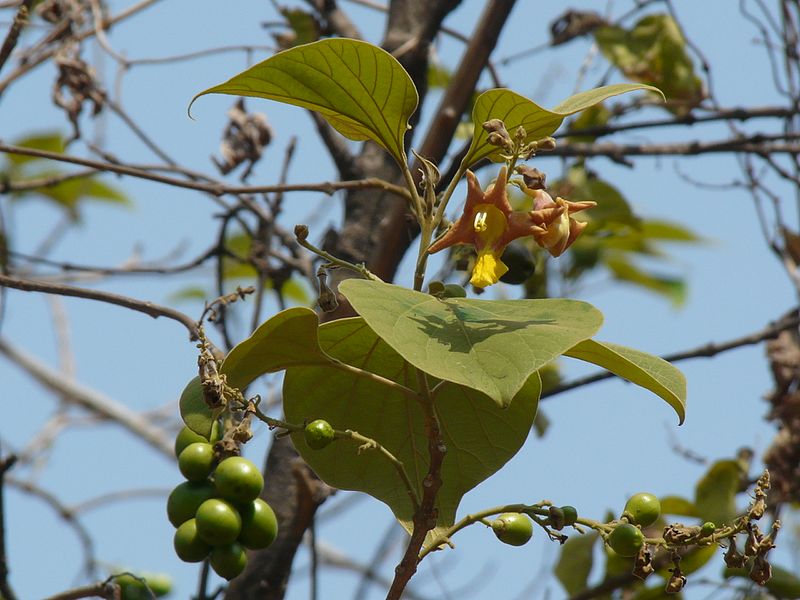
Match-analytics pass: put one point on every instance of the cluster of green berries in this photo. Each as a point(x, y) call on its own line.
point(641, 510)
point(217, 511)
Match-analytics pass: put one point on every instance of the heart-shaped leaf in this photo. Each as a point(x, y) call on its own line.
point(288, 339)
point(515, 110)
point(480, 436)
point(359, 88)
point(650, 372)
point(490, 346)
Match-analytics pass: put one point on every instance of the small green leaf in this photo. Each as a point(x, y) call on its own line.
point(286, 340)
point(305, 26)
point(675, 505)
point(50, 142)
point(715, 493)
point(575, 562)
point(194, 411)
point(650, 372)
point(492, 346)
point(668, 232)
point(515, 110)
point(673, 288)
point(480, 436)
point(360, 89)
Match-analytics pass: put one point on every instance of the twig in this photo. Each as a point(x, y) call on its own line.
point(217, 189)
point(90, 399)
point(148, 308)
point(5, 587)
point(102, 589)
point(704, 351)
point(20, 20)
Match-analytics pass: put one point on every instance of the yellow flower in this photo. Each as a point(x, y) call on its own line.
point(489, 224)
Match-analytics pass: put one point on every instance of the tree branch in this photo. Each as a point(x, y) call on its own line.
point(90, 399)
point(143, 306)
point(5, 587)
point(20, 20)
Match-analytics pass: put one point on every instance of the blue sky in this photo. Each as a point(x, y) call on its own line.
point(606, 442)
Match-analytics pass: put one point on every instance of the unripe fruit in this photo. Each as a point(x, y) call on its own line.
point(626, 540)
point(159, 583)
point(707, 529)
point(570, 514)
point(319, 434)
point(642, 509)
point(188, 545)
point(228, 561)
point(185, 499)
point(259, 525)
point(238, 480)
point(514, 529)
point(453, 290)
point(218, 522)
point(196, 461)
point(186, 436)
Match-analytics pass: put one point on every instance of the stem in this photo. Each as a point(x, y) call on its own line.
point(369, 375)
point(5, 587)
point(425, 517)
point(360, 269)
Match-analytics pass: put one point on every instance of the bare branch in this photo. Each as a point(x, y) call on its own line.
point(5, 587)
point(90, 399)
point(143, 306)
point(20, 20)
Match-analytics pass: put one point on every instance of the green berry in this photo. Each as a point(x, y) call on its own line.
point(626, 539)
point(238, 480)
point(228, 561)
point(570, 514)
point(187, 436)
point(514, 529)
point(188, 545)
point(185, 499)
point(196, 461)
point(707, 529)
point(319, 434)
point(218, 522)
point(642, 509)
point(453, 290)
point(259, 525)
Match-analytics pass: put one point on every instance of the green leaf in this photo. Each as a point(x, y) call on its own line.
point(50, 142)
point(672, 288)
point(675, 505)
point(654, 52)
point(650, 372)
point(668, 232)
point(288, 339)
point(515, 110)
point(575, 562)
point(305, 26)
point(194, 411)
point(492, 346)
point(360, 89)
point(480, 436)
point(715, 493)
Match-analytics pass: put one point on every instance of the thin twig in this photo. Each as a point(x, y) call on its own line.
point(5, 586)
point(102, 589)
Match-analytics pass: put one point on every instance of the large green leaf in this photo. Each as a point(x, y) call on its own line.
point(641, 368)
point(515, 110)
point(491, 346)
point(715, 493)
point(575, 562)
point(360, 89)
point(288, 339)
point(480, 436)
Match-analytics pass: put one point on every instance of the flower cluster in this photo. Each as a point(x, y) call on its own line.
point(489, 224)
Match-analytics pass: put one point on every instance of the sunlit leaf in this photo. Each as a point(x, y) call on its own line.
point(360, 89)
point(480, 436)
point(673, 288)
point(643, 369)
point(675, 505)
point(287, 339)
point(490, 346)
point(50, 142)
point(515, 111)
point(305, 27)
point(575, 562)
point(668, 232)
